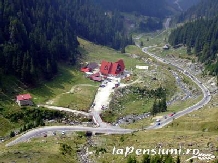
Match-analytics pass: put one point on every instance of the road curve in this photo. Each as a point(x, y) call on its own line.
point(112, 130)
point(200, 104)
point(39, 132)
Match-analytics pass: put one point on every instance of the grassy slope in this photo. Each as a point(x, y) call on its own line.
point(67, 78)
point(184, 129)
point(197, 130)
point(43, 150)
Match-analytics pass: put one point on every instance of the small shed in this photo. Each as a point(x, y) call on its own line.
point(23, 100)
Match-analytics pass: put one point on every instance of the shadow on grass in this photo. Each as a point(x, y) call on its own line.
point(48, 89)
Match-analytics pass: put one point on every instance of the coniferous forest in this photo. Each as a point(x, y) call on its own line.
point(205, 8)
point(36, 35)
point(154, 8)
point(201, 38)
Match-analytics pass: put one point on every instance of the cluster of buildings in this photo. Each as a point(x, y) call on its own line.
point(98, 72)
point(93, 70)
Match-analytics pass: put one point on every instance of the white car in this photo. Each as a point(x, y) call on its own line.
point(63, 133)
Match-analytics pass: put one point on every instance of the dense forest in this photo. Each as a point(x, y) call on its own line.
point(154, 8)
point(204, 8)
point(200, 37)
point(36, 35)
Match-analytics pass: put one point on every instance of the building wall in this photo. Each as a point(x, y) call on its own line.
point(24, 102)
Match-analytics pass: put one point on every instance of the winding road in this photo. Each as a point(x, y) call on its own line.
point(39, 132)
point(200, 104)
point(109, 129)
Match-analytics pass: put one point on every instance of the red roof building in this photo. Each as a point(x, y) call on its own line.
point(24, 99)
point(85, 69)
point(112, 68)
point(89, 67)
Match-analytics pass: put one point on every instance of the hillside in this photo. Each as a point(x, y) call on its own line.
point(183, 5)
point(153, 8)
point(35, 36)
point(205, 8)
point(201, 38)
point(196, 130)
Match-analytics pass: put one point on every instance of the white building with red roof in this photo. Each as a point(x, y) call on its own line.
point(23, 100)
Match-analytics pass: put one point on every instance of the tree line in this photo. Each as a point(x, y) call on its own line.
point(36, 35)
point(203, 8)
point(154, 8)
point(201, 38)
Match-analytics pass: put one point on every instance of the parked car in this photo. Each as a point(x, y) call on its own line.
point(158, 124)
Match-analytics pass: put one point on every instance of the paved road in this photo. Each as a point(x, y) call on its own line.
point(200, 104)
point(39, 132)
point(108, 129)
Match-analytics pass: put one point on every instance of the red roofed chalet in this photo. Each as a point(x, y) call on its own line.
point(24, 99)
point(110, 68)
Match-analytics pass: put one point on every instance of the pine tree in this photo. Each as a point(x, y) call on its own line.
point(154, 109)
point(12, 134)
point(141, 44)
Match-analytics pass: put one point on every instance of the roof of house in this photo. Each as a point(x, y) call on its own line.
point(85, 69)
point(92, 65)
point(113, 68)
point(24, 97)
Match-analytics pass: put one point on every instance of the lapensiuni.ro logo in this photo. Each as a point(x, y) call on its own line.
point(194, 153)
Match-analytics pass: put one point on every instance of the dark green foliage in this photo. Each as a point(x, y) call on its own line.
point(154, 8)
point(151, 24)
point(36, 35)
point(32, 117)
point(131, 159)
point(205, 8)
point(65, 149)
point(153, 159)
point(36, 114)
point(12, 134)
point(160, 101)
point(122, 138)
point(178, 159)
point(201, 36)
point(146, 158)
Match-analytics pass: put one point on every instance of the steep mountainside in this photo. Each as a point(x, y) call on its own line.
point(35, 35)
point(154, 8)
point(205, 8)
point(183, 5)
point(200, 37)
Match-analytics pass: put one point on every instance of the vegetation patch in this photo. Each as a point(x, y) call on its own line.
point(135, 100)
